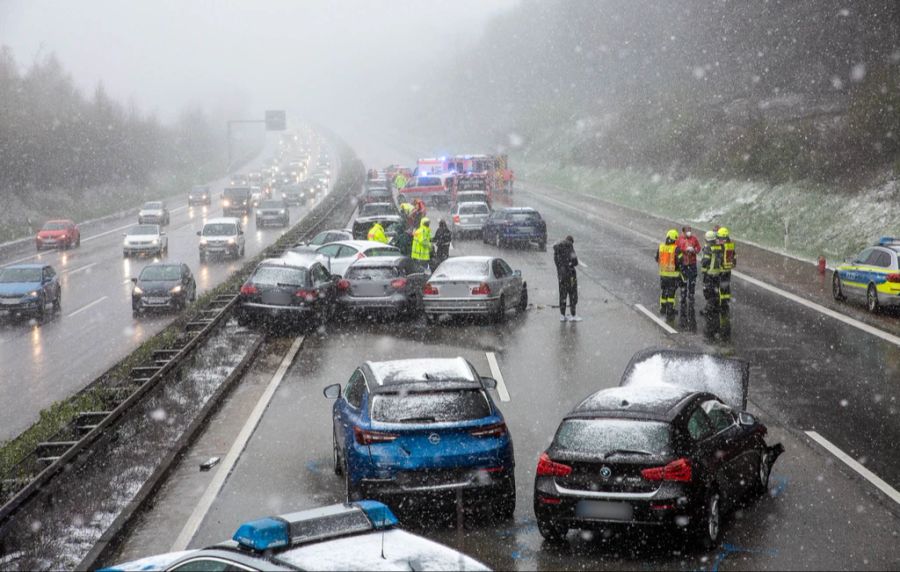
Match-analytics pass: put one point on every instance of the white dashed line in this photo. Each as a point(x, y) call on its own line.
point(498, 375)
point(865, 473)
point(86, 306)
point(215, 486)
point(669, 329)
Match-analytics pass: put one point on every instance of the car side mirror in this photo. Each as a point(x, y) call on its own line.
point(198, 233)
point(332, 391)
point(517, 273)
point(489, 382)
point(134, 280)
point(746, 419)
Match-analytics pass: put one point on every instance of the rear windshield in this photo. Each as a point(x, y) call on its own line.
point(271, 205)
point(372, 273)
point(377, 210)
point(472, 184)
point(150, 273)
point(154, 206)
point(55, 226)
point(219, 229)
point(523, 217)
point(601, 436)
point(452, 268)
point(275, 275)
point(9, 275)
point(430, 407)
point(474, 208)
point(143, 229)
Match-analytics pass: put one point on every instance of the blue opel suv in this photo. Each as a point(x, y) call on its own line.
point(422, 426)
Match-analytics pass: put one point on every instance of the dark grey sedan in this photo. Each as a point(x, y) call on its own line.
point(391, 284)
point(161, 286)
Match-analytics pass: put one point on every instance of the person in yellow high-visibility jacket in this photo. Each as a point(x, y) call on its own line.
point(421, 246)
point(376, 233)
point(729, 260)
point(668, 256)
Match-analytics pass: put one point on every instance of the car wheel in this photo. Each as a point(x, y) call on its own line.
point(194, 293)
point(78, 241)
point(57, 303)
point(872, 304)
point(837, 291)
point(336, 456)
point(542, 246)
point(42, 310)
point(484, 237)
point(500, 312)
point(505, 505)
point(124, 254)
point(497, 242)
point(352, 490)
point(202, 257)
point(709, 529)
point(242, 251)
point(763, 470)
point(552, 531)
point(523, 300)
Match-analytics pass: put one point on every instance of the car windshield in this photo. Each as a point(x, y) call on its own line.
point(219, 229)
point(280, 275)
point(143, 229)
point(198, 191)
point(271, 205)
point(372, 272)
point(237, 193)
point(55, 226)
point(430, 407)
point(462, 268)
point(602, 436)
point(160, 272)
point(377, 210)
point(152, 206)
point(11, 275)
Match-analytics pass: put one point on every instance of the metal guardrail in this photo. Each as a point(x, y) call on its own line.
point(36, 471)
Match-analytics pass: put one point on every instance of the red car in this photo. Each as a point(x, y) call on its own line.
point(58, 234)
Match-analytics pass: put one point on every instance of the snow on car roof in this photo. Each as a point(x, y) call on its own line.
point(656, 402)
point(414, 370)
point(401, 551)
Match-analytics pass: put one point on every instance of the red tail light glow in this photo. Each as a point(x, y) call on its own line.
point(678, 471)
point(548, 468)
point(456, 218)
point(430, 290)
point(364, 437)
point(249, 290)
point(893, 277)
point(482, 289)
point(308, 295)
point(495, 430)
point(398, 283)
point(343, 285)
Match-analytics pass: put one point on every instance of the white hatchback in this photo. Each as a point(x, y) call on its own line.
point(346, 252)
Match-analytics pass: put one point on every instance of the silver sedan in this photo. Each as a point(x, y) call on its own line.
point(474, 285)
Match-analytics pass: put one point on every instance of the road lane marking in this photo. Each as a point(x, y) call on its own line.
point(86, 306)
point(669, 329)
point(79, 269)
point(887, 489)
point(765, 286)
point(215, 486)
point(498, 375)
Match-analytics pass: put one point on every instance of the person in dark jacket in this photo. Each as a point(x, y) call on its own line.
point(442, 239)
point(403, 240)
point(565, 260)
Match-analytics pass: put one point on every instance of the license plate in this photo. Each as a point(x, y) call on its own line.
point(604, 510)
point(155, 300)
point(525, 229)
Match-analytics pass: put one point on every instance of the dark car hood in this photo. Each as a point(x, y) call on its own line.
point(727, 378)
point(11, 288)
point(157, 285)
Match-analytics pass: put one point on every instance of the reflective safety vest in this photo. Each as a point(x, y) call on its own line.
point(728, 255)
point(712, 259)
point(667, 262)
point(376, 233)
point(400, 182)
point(421, 246)
point(407, 208)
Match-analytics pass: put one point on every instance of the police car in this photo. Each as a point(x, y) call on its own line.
point(872, 275)
point(356, 536)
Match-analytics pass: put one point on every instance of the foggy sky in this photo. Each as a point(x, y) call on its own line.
point(318, 58)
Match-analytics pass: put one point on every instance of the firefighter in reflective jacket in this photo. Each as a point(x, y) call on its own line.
point(668, 256)
point(421, 246)
point(376, 233)
point(711, 267)
point(728, 262)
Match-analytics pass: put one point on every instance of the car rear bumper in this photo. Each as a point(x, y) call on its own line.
point(488, 481)
point(357, 303)
point(255, 310)
point(468, 227)
point(461, 306)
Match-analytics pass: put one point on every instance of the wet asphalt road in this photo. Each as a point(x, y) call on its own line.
point(43, 363)
point(818, 515)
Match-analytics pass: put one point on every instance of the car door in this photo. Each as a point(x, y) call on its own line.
point(705, 447)
point(737, 456)
point(324, 287)
point(345, 257)
point(49, 284)
point(348, 410)
point(502, 279)
point(854, 277)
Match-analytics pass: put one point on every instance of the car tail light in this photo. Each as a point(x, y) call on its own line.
point(364, 437)
point(343, 284)
point(548, 468)
point(678, 471)
point(495, 430)
point(429, 290)
point(249, 290)
point(482, 289)
point(456, 218)
point(549, 500)
point(893, 277)
point(398, 283)
point(308, 295)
